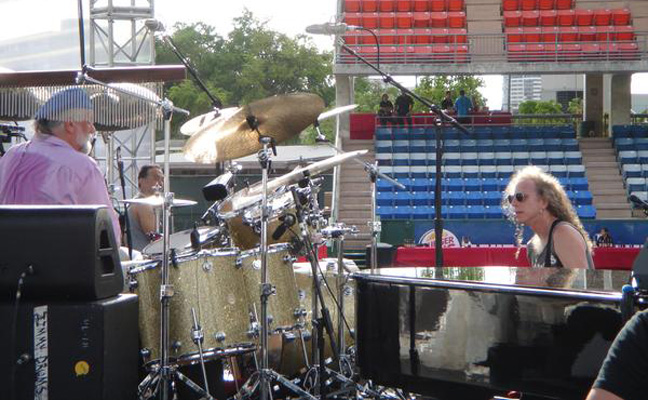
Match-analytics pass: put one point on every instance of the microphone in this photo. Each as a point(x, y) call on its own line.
point(154, 25)
point(288, 220)
point(636, 200)
point(330, 28)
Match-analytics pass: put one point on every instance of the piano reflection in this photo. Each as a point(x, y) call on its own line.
point(463, 333)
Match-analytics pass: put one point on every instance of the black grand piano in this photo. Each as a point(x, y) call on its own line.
point(471, 333)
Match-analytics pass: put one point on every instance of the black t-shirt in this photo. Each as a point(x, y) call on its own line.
point(625, 369)
point(447, 104)
point(403, 103)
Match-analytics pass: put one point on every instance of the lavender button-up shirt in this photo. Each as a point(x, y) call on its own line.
point(47, 170)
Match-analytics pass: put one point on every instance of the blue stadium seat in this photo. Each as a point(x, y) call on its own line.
point(641, 143)
point(493, 212)
point(453, 184)
point(623, 144)
point(402, 212)
point(586, 212)
point(555, 157)
point(386, 169)
point(536, 144)
point(644, 170)
point(642, 156)
point(383, 146)
point(403, 199)
point(503, 158)
point(454, 198)
point(474, 198)
point(583, 197)
point(419, 171)
point(418, 159)
point(578, 183)
point(420, 198)
point(553, 144)
point(628, 157)
point(558, 170)
point(384, 158)
point(417, 146)
point(470, 171)
point(472, 184)
point(405, 182)
point(456, 212)
point(504, 171)
point(575, 171)
point(468, 145)
point(570, 144)
point(502, 145)
point(400, 159)
point(383, 133)
point(631, 171)
point(520, 158)
point(452, 145)
point(385, 199)
point(400, 133)
point(383, 185)
point(538, 157)
point(573, 157)
point(484, 145)
point(492, 198)
point(385, 212)
point(486, 158)
point(451, 171)
point(452, 158)
point(519, 145)
point(419, 184)
point(400, 146)
point(421, 212)
point(401, 171)
point(487, 171)
point(417, 133)
point(469, 158)
point(475, 212)
point(636, 185)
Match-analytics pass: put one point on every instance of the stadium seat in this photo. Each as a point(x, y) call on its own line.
point(621, 16)
point(512, 19)
point(419, 185)
point(564, 4)
point(623, 33)
point(520, 158)
point(420, 5)
point(400, 159)
point(565, 17)
point(418, 159)
point(558, 170)
point(546, 4)
point(578, 184)
point(555, 157)
point(385, 198)
point(628, 157)
point(455, 5)
point(387, 20)
point(386, 5)
point(353, 18)
point(641, 143)
point(419, 171)
point(532, 35)
point(474, 199)
point(510, 5)
point(386, 169)
point(451, 171)
point(602, 17)
point(404, 20)
point(514, 35)
point(352, 6)
point(493, 212)
point(549, 34)
point(469, 158)
point(548, 18)
point(642, 156)
point(526, 5)
point(636, 185)
point(587, 33)
point(584, 17)
point(530, 18)
point(504, 171)
point(422, 36)
point(644, 170)
point(631, 171)
point(586, 212)
point(456, 19)
point(421, 19)
point(486, 158)
point(475, 211)
point(538, 157)
point(604, 33)
point(503, 158)
point(568, 34)
point(492, 198)
point(439, 20)
point(387, 36)
point(576, 171)
point(437, 5)
point(402, 212)
point(403, 5)
point(370, 20)
point(369, 6)
point(472, 184)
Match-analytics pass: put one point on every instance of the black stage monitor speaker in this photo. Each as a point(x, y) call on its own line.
point(70, 350)
point(71, 251)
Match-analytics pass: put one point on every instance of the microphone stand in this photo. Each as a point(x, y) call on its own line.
point(442, 118)
point(122, 181)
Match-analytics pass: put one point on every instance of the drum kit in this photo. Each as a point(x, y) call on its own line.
point(229, 290)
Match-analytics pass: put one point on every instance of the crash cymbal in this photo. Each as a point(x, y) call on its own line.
point(336, 111)
point(195, 124)
point(247, 197)
point(279, 117)
point(158, 201)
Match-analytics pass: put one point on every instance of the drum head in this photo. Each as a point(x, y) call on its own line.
point(181, 241)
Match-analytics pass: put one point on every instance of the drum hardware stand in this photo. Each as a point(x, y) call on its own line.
point(372, 173)
point(122, 182)
point(197, 336)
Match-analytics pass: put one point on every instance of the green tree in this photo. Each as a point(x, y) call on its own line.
point(433, 88)
point(575, 106)
point(534, 107)
point(368, 93)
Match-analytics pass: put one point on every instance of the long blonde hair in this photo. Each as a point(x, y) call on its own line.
point(549, 189)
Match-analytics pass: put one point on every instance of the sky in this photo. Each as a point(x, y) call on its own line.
point(287, 16)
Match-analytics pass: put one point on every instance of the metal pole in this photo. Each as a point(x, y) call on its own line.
point(265, 286)
point(341, 283)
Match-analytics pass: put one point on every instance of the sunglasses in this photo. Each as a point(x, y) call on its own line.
point(519, 196)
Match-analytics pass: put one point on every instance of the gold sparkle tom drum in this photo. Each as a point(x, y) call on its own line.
point(208, 281)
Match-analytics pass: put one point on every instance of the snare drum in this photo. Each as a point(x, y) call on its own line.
point(208, 282)
point(181, 241)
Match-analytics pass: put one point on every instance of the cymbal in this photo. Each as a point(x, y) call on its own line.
point(336, 111)
point(279, 117)
point(247, 197)
point(158, 201)
point(195, 124)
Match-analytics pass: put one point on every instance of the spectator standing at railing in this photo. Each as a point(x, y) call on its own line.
point(404, 105)
point(603, 238)
point(463, 106)
point(447, 103)
point(385, 110)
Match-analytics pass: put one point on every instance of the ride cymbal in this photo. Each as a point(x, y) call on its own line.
point(158, 201)
point(279, 117)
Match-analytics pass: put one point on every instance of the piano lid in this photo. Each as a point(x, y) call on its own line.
point(603, 283)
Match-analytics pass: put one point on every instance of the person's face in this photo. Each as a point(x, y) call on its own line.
point(448, 95)
point(83, 132)
point(385, 97)
point(153, 178)
point(526, 202)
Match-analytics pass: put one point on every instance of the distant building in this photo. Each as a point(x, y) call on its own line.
point(521, 88)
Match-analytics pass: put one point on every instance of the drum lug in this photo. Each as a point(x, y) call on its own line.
point(146, 355)
point(220, 336)
point(306, 335)
point(270, 318)
point(166, 291)
point(289, 336)
point(207, 266)
point(348, 291)
point(238, 263)
point(133, 284)
point(288, 259)
point(254, 330)
point(300, 312)
point(176, 345)
point(301, 294)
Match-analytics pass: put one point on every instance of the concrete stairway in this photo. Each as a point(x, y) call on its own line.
point(355, 195)
point(605, 180)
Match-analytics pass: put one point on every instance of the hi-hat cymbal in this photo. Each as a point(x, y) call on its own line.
point(195, 124)
point(279, 117)
point(249, 196)
point(158, 201)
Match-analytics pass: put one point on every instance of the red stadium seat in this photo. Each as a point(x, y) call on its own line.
point(628, 51)
point(584, 17)
point(386, 5)
point(571, 52)
point(389, 54)
point(565, 18)
point(549, 34)
point(404, 20)
point(587, 33)
point(530, 18)
point(514, 35)
point(439, 35)
point(353, 18)
point(403, 5)
point(510, 5)
point(604, 33)
point(352, 6)
point(439, 20)
point(512, 18)
point(421, 19)
point(568, 34)
point(602, 17)
point(368, 38)
point(621, 17)
point(624, 33)
point(455, 5)
point(369, 5)
point(370, 20)
point(535, 52)
point(528, 5)
point(564, 4)
point(351, 37)
point(551, 51)
point(532, 35)
point(421, 5)
point(546, 4)
point(591, 50)
point(548, 18)
point(457, 35)
point(516, 52)
point(387, 36)
point(422, 36)
point(405, 36)
point(387, 20)
point(456, 19)
point(437, 5)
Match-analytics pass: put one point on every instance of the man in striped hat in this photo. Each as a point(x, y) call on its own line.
point(54, 166)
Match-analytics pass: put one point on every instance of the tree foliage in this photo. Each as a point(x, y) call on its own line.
point(253, 62)
point(535, 107)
